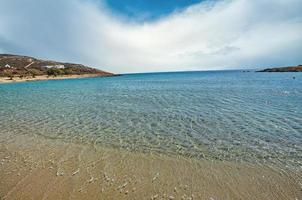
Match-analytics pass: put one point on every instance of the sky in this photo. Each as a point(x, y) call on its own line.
point(147, 10)
point(132, 36)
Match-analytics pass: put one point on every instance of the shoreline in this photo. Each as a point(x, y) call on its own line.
point(4, 80)
point(33, 167)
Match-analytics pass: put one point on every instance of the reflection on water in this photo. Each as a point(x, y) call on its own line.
point(255, 117)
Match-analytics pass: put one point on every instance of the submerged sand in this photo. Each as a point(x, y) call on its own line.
point(33, 167)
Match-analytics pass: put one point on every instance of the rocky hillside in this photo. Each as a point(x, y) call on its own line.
point(284, 69)
point(15, 65)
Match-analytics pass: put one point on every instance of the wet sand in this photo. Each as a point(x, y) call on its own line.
point(45, 77)
point(34, 167)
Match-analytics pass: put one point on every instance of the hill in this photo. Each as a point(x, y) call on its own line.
point(283, 69)
point(24, 66)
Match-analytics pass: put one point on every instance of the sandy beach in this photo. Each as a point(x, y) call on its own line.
point(34, 167)
point(45, 77)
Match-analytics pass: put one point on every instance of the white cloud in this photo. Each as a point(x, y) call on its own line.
point(222, 35)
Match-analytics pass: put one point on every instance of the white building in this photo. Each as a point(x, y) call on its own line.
point(8, 66)
point(55, 66)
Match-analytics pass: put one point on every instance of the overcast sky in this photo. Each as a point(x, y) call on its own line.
point(144, 35)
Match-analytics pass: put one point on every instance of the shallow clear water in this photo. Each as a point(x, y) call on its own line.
point(225, 115)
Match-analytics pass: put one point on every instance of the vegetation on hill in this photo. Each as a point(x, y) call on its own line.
point(24, 66)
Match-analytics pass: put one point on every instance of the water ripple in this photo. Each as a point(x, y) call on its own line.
point(235, 116)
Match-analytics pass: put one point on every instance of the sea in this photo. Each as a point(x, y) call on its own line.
point(233, 116)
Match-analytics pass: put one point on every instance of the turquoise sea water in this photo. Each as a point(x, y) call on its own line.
point(221, 115)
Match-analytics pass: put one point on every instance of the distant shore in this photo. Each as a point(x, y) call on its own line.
point(46, 77)
point(18, 68)
point(283, 69)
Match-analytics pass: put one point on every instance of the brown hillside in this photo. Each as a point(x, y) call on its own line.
point(284, 69)
point(15, 65)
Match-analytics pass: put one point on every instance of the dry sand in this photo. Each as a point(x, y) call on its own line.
point(45, 77)
point(33, 167)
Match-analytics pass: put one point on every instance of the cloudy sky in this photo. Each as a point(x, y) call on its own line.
point(126, 36)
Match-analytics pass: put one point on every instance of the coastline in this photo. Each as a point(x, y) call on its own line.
point(46, 77)
point(34, 167)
